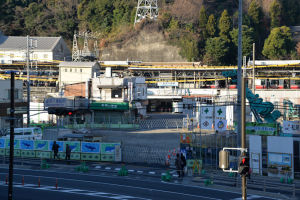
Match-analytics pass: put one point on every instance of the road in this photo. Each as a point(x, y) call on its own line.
point(85, 186)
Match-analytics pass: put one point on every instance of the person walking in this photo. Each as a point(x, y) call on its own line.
point(55, 148)
point(178, 164)
point(183, 163)
point(68, 152)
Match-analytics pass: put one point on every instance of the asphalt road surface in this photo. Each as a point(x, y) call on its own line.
point(90, 186)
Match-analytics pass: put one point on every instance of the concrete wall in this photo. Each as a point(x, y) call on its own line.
point(5, 87)
point(147, 46)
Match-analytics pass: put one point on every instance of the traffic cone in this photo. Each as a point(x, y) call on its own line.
point(198, 126)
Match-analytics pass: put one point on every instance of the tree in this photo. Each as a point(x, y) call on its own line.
point(211, 26)
point(279, 44)
point(248, 39)
point(203, 21)
point(255, 13)
point(225, 25)
point(189, 48)
point(275, 13)
point(298, 48)
point(216, 51)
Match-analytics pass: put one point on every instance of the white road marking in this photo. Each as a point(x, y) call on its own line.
point(250, 197)
point(107, 167)
point(117, 169)
point(76, 191)
point(131, 170)
point(98, 167)
point(140, 172)
point(151, 172)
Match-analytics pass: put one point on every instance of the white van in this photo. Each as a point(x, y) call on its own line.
point(32, 133)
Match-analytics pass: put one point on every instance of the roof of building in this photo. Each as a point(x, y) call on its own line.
point(78, 64)
point(19, 42)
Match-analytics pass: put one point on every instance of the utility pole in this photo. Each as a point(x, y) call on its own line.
point(12, 135)
point(243, 133)
point(28, 83)
point(253, 70)
point(241, 98)
point(239, 75)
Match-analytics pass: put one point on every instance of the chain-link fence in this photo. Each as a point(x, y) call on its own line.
point(160, 123)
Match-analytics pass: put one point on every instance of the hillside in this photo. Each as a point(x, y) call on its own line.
point(191, 30)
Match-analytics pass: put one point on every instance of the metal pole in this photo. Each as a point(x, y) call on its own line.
point(253, 85)
point(11, 146)
point(243, 135)
point(239, 74)
point(28, 83)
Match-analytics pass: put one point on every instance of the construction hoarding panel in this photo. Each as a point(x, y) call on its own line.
point(291, 127)
point(90, 147)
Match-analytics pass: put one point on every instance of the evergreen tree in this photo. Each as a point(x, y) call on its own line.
point(203, 22)
point(275, 13)
point(248, 39)
point(279, 44)
point(211, 26)
point(255, 13)
point(225, 25)
point(216, 51)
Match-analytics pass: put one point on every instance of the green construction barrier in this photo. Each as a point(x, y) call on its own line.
point(75, 156)
point(28, 153)
point(43, 154)
point(90, 156)
point(107, 157)
point(2, 152)
point(16, 152)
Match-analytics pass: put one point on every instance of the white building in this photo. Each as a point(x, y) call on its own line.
point(20, 104)
point(77, 72)
point(48, 49)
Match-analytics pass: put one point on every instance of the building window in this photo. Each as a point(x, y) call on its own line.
point(45, 56)
point(80, 70)
point(66, 70)
point(116, 93)
point(11, 55)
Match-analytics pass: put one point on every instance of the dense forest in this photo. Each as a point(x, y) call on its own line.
point(205, 30)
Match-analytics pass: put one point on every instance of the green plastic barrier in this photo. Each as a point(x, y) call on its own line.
point(43, 154)
point(16, 152)
point(107, 157)
point(90, 156)
point(28, 153)
point(2, 152)
point(75, 156)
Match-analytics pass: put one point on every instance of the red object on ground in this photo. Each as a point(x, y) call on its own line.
point(232, 86)
point(56, 184)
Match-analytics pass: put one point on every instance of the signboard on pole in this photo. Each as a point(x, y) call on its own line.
point(254, 128)
point(167, 84)
point(291, 127)
point(207, 111)
point(220, 112)
point(220, 125)
point(206, 123)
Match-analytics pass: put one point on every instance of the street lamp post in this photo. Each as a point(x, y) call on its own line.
point(29, 46)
